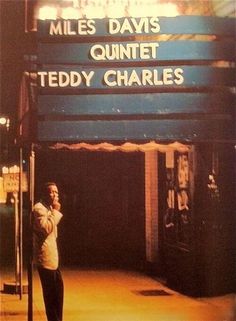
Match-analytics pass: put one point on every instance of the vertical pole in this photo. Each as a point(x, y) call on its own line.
point(26, 15)
point(15, 195)
point(21, 225)
point(31, 203)
point(17, 260)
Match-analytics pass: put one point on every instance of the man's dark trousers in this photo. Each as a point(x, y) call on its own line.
point(53, 293)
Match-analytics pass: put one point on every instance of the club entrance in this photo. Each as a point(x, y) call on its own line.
point(103, 197)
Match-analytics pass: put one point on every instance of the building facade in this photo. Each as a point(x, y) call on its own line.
point(153, 85)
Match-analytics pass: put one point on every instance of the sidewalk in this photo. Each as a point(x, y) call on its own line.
point(99, 295)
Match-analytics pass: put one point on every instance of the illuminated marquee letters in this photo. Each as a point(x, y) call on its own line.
point(132, 25)
point(122, 51)
point(138, 51)
point(65, 79)
point(65, 28)
point(154, 77)
point(113, 78)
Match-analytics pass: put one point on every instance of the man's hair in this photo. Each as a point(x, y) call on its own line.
point(45, 186)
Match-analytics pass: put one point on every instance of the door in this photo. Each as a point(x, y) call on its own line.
point(176, 219)
point(103, 198)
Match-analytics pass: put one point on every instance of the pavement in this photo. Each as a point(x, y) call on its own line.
point(118, 295)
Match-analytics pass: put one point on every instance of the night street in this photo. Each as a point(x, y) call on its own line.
point(116, 295)
point(117, 160)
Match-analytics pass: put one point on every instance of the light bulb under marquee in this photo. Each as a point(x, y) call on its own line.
point(47, 12)
point(110, 9)
point(70, 13)
point(115, 11)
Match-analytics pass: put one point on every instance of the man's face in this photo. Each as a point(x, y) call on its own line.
point(52, 194)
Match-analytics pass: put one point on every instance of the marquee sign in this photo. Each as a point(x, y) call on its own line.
point(135, 26)
point(85, 53)
point(109, 68)
point(159, 104)
point(148, 129)
point(55, 77)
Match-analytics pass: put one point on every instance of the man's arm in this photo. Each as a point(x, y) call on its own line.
point(45, 220)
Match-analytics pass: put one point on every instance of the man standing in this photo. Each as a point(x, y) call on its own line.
point(46, 216)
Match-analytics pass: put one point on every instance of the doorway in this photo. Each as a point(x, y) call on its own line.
point(103, 199)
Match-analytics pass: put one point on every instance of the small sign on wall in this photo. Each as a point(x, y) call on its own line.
point(11, 182)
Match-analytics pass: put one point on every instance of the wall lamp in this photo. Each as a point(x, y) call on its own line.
point(5, 121)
